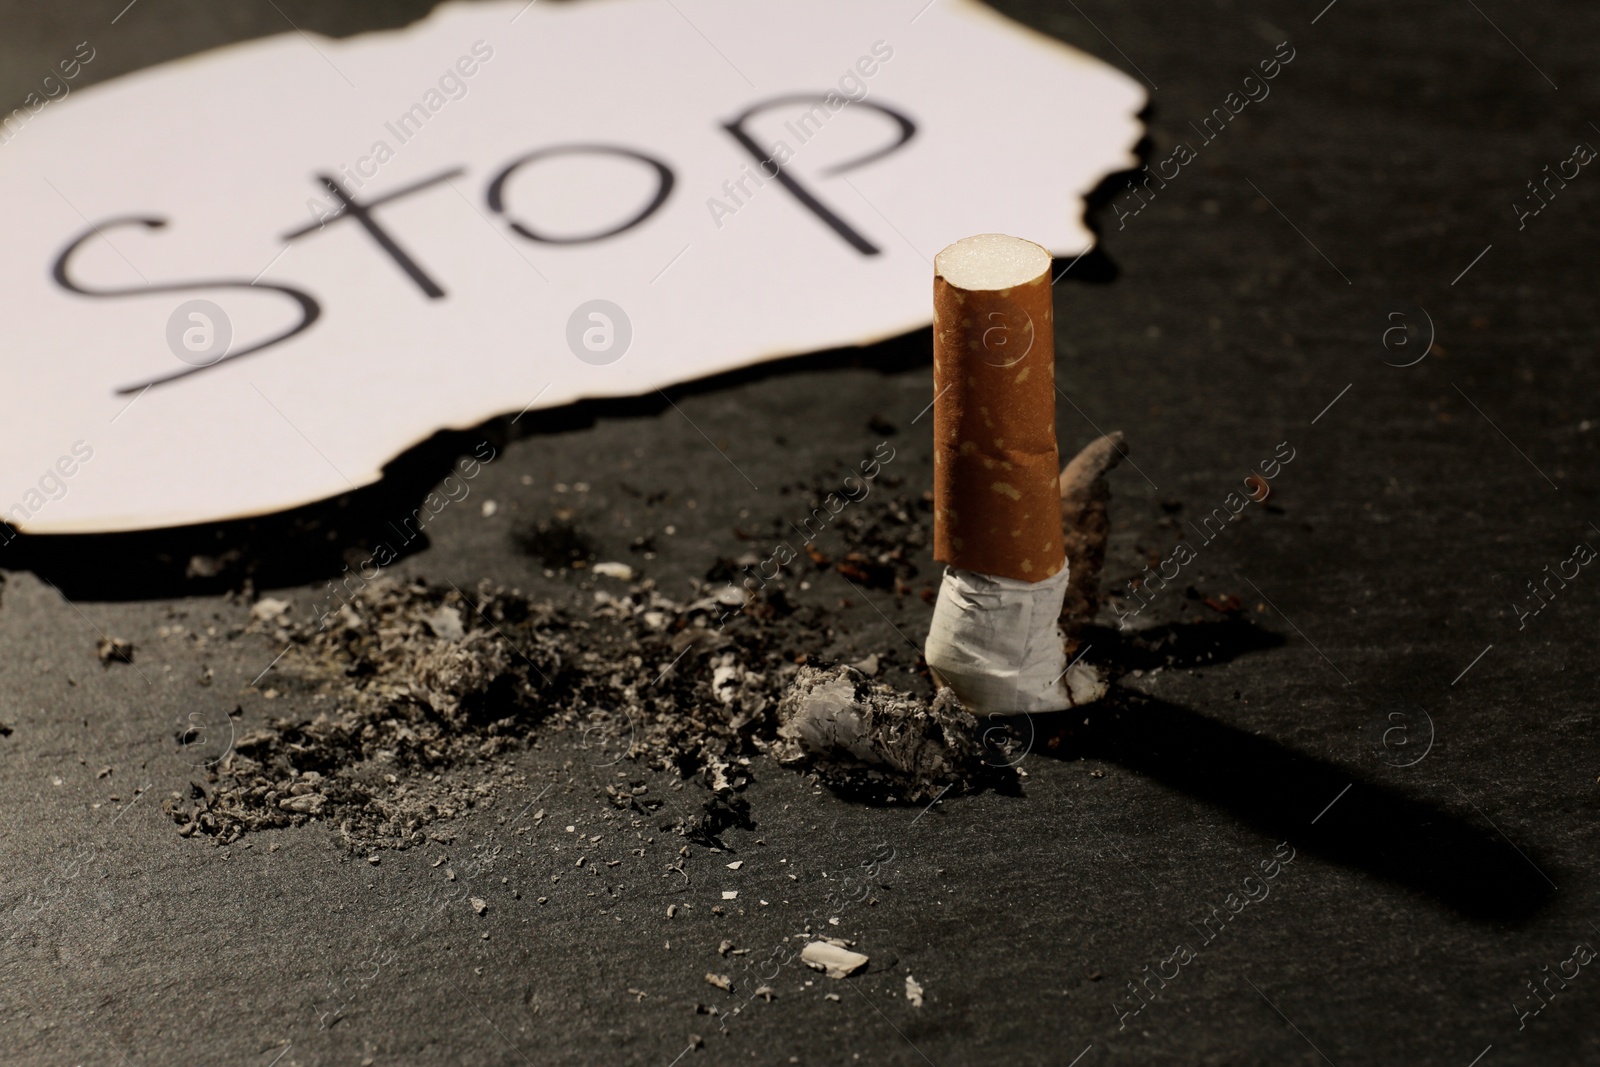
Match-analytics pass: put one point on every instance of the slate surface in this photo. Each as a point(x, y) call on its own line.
point(1224, 318)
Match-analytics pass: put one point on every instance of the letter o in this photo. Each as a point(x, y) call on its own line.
point(664, 183)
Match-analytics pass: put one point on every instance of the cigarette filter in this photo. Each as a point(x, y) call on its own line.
point(995, 472)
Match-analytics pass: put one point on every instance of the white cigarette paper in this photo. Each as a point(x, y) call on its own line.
point(996, 642)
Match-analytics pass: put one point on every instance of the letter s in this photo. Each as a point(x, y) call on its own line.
point(310, 310)
point(482, 50)
point(1279, 52)
point(883, 50)
point(1279, 451)
point(83, 450)
point(79, 52)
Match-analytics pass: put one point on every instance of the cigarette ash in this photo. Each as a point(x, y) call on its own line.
point(882, 537)
point(556, 543)
point(873, 541)
point(875, 742)
point(433, 692)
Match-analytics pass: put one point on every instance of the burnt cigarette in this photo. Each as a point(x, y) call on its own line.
point(996, 482)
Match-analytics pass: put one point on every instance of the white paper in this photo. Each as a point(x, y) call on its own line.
point(223, 149)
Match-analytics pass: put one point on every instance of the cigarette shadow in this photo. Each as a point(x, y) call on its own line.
point(1320, 807)
point(1177, 646)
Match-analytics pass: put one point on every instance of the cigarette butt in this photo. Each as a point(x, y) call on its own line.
point(996, 492)
point(999, 496)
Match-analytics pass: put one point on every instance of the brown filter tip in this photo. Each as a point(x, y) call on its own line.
point(995, 468)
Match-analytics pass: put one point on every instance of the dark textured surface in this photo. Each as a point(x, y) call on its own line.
point(1417, 905)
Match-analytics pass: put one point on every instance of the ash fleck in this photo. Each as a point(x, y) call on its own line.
point(114, 650)
point(872, 740)
point(556, 543)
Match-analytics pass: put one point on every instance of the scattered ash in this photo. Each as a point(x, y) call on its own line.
point(883, 537)
point(555, 543)
point(111, 650)
point(430, 691)
point(723, 811)
point(873, 541)
point(872, 741)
